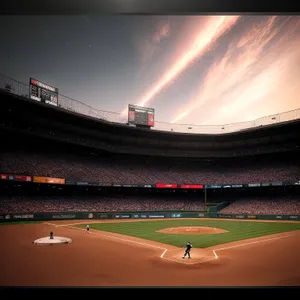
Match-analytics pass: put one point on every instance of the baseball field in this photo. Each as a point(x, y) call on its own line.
point(202, 233)
point(149, 253)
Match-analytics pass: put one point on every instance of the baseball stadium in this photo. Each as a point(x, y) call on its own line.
point(234, 196)
point(95, 198)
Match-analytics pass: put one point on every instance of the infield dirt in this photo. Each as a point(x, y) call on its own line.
point(107, 259)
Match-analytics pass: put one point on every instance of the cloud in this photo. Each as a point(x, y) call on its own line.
point(202, 41)
point(250, 69)
point(149, 44)
point(162, 32)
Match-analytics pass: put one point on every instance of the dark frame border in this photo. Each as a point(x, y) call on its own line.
point(149, 7)
point(162, 7)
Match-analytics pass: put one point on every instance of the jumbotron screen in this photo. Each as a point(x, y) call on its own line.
point(138, 115)
point(43, 92)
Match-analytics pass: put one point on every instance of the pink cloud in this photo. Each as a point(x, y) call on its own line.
point(162, 32)
point(200, 43)
point(245, 74)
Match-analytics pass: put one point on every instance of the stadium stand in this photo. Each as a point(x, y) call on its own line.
point(130, 170)
point(27, 204)
point(54, 143)
point(288, 205)
point(40, 157)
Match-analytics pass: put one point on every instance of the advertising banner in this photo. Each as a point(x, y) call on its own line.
point(71, 182)
point(22, 178)
point(192, 186)
point(154, 216)
point(251, 217)
point(104, 216)
point(236, 185)
point(266, 184)
point(23, 216)
point(15, 177)
point(4, 176)
point(143, 216)
point(278, 183)
point(166, 185)
point(51, 180)
point(119, 216)
point(64, 216)
point(175, 215)
point(213, 186)
point(240, 216)
point(225, 216)
point(253, 184)
point(82, 183)
point(225, 186)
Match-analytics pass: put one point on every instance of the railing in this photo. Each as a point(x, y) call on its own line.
point(15, 87)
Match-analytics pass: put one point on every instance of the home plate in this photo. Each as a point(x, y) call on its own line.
point(55, 240)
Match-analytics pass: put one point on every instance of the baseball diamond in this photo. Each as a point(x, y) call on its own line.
point(261, 244)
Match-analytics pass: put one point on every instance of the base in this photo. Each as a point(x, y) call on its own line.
point(55, 240)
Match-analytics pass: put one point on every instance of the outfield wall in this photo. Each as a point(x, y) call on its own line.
point(136, 215)
point(260, 217)
point(101, 215)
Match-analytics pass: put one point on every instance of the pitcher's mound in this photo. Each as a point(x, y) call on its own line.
point(192, 230)
point(55, 240)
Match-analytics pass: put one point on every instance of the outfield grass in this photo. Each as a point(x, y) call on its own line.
point(237, 230)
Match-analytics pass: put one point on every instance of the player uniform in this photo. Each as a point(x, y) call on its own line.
point(187, 250)
point(87, 228)
point(51, 235)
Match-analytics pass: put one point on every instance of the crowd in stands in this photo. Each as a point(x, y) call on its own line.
point(26, 204)
point(125, 171)
point(288, 205)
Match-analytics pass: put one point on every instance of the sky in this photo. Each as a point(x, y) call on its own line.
point(205, 70)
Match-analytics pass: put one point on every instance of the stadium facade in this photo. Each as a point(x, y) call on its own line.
point(50, 151)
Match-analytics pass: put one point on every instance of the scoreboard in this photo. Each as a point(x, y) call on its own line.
point(142, 116)
point(43, 92)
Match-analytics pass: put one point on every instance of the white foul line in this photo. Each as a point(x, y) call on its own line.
point(246, 244)
point(51, 224)
point(255, 242)
point(162, 256)
point(66, 225)
point(117, 238)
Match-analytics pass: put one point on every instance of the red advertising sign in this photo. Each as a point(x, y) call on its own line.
point(164, 185)
point(192, 186)
point(22, 178)
point(4, 176)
